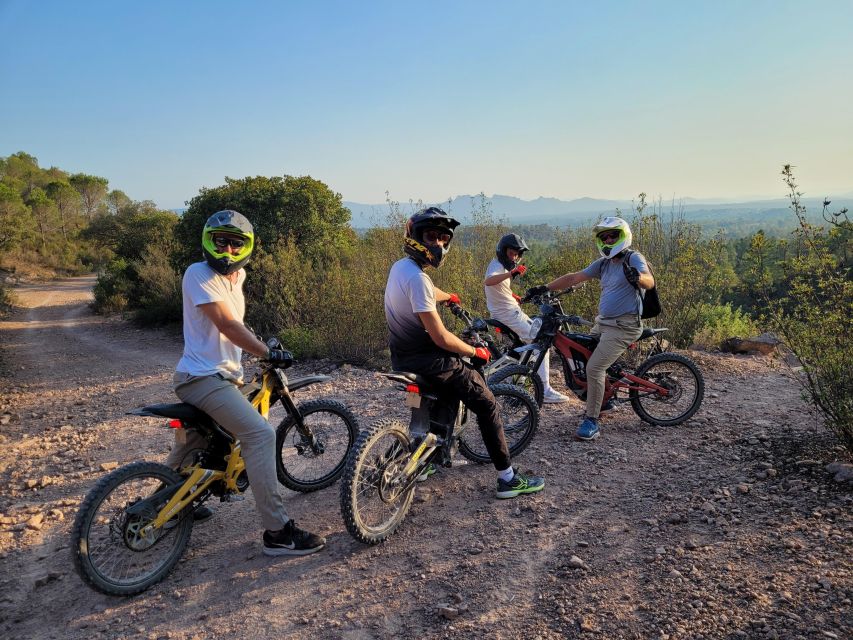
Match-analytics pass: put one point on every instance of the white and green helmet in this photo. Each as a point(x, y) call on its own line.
point(613, 247)
point(233, 224)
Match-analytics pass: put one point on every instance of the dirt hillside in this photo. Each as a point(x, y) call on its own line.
point(726, 527)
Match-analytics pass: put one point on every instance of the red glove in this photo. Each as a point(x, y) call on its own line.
point(517, 298)
point(453, 299)
point(481, 353)
point(519, 270)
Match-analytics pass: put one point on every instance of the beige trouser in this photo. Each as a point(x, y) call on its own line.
point(616, 334)
point(221, 399)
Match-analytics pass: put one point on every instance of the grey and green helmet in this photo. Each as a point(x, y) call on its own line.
point(233, 224)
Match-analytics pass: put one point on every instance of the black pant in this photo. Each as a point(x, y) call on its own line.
point(454, 380)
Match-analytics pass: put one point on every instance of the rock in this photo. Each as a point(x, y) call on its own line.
point(743, 488)
point(46, 579)
point(36, 522)
point(449, 613)
point(675, 573)
point(109, 466)
point(765, 344)
point(842, 472)
point(577, 563)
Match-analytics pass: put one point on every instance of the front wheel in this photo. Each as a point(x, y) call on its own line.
point(375, 493)
point(520, 417)
point(685, 387)
point(520, 376)
point(119, 553)
point(314, 459)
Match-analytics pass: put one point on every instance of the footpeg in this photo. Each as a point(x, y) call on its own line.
point(232, 497)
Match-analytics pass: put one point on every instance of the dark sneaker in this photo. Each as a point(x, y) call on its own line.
point(291, 541)
point(608, 406)
point(519, 484)
point(426, 473)
point(202, 513)
point(588, 430)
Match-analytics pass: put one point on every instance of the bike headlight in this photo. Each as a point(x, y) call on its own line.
point(535, 326)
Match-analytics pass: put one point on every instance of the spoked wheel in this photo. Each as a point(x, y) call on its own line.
point(520, 417)
point(117, 552)
point(685, 387)
point(520, 376)
point(375, 494)
point(309, 463)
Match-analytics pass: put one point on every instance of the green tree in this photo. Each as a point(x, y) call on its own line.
point(302, 209)
point(67, 202)
point(44, 213)
point(92, 190)
point(14, 217)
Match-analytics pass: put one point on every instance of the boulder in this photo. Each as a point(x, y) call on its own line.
point(765, 344)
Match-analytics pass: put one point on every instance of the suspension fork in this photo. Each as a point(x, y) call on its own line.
point(290, 406)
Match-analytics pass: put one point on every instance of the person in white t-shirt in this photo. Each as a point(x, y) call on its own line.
point(209, 374)
point(504, 305)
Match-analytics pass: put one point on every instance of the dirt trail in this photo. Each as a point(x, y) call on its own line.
point(727, 527)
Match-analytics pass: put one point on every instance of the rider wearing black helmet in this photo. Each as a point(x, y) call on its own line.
point(504, 306)
point(420, 343)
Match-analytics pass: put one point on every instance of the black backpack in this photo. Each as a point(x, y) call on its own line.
point(651, 302)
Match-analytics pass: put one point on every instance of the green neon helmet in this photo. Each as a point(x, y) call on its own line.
point(232, 224)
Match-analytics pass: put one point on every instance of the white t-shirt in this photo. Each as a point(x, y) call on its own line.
point(499, 298)
point(206, 351)
point(409, 291)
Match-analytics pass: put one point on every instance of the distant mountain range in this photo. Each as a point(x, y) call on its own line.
point(582, 211)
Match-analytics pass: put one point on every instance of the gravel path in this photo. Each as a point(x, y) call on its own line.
point(727, 527)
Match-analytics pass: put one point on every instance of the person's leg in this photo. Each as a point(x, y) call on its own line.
point(463, 382)
point(613, 340)
point(222, 400)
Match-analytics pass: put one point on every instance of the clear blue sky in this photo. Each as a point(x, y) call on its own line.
point(433, 99)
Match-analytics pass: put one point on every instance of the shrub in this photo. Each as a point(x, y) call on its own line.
point(157, 293)
point(719, 321)
point(814, 315)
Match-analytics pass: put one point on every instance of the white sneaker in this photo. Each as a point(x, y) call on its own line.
point(554, 397)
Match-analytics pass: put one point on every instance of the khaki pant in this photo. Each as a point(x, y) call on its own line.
point(615, 335)
point(221, 399)
point(520, 322)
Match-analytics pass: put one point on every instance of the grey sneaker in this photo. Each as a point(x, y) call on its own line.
point(291, 541)
point(519, 484)
point(426, 473)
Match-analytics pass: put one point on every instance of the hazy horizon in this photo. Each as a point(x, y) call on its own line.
point(546, 99)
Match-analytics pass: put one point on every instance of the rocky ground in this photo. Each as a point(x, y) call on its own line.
point(730, 526)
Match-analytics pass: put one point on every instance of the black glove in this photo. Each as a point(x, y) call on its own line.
point(536, 291)
point(632, 275)
point(280, 358)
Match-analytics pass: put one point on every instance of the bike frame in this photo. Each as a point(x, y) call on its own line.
point(272, 388)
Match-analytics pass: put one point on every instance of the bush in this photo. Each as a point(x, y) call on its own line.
point(157, 295)
point(814, 315)
point(719, 322)
point(112, 288)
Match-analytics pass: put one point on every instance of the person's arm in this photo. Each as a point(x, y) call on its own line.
point(646, 281)
point(443, 338)
point(568, 280)
point(219, 314)
point(491, 281)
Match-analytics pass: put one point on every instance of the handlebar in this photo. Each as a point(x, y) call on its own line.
point(543, 298)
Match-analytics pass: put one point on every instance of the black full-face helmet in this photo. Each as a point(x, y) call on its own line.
point(510, 241)
point(426, 253)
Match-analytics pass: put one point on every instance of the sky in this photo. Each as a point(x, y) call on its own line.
point(428, 100)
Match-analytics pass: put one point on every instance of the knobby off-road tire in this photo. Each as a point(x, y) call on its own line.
point(520, 376)
point(297, 465)
point(682, 377)
point(520, 417)
point(107, 551)
point(378, 455)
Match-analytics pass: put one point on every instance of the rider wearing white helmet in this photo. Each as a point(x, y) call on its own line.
point(618, 322)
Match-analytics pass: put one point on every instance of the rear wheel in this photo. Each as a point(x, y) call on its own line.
point(119, 553)
point(684, 386)
point(520, 417)
point(306, 463)
point(520, 376)
point(375, 493)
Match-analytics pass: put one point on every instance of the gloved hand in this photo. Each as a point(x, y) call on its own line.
point(453, 299)
point(536, 291)
point(517, 298)
point(280, 358)
point(632, 275)
point(481, 355)
point(519, 270)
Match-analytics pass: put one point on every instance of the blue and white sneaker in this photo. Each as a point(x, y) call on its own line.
point(588, 429)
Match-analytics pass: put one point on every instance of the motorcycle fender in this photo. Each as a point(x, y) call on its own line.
point(298, 383)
